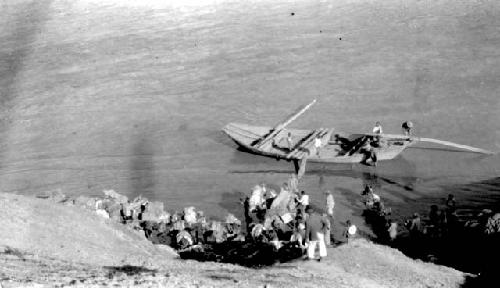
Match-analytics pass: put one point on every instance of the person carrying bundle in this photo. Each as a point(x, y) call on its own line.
point(350, 231)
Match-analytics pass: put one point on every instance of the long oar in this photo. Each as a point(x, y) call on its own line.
point(459, 146)
point(280, 126)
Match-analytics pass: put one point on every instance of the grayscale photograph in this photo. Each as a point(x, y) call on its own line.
point(250, 143)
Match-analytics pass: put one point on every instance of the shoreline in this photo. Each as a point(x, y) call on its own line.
point(344, 265)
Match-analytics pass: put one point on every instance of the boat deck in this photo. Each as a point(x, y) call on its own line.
point(338, 147)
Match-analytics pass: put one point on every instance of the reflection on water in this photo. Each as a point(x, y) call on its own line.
point(399, 172)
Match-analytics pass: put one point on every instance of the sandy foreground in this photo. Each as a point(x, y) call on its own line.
point(50, 244)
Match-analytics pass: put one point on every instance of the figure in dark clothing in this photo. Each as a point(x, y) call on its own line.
point(451, 203)
point(343, 142)
point(453, 224)
point(316, 227)
point(407, 126)
point(443, 222)
point(246, 207)
point(369, 154)
point(269, 202)
point(434, 215)
point(143, 209)
point(248, 218)
point(434, 221)
point(261, 214)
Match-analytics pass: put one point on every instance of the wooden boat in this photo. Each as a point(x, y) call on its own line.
point(335, 147)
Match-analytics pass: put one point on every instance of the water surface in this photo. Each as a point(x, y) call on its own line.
point(131, 96)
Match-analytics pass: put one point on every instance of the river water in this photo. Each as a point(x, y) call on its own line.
point(132, 96)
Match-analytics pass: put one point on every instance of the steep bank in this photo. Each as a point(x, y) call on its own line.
point(72, 233)
point(49, 243)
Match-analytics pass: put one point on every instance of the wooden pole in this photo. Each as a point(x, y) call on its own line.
point(280, 126)
point(459, 146)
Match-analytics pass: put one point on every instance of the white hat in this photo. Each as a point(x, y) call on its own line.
point(351, 230)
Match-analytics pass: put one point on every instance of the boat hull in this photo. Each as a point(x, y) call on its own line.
point(246, 135)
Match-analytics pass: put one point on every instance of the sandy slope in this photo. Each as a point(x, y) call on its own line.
point(72, 233)
point(49, 243)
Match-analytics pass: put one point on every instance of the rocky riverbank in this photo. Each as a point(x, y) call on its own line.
point(63, 244)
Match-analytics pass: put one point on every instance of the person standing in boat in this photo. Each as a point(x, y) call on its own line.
point(369, 154)
point(289, 141)
point(406, 126)
point(317, 144)
point(378, 128)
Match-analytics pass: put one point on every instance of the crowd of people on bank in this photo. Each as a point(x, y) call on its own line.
point(283, 223)
point(440, 223)
point(437, 224)
point(280, 225)
point(289, 218)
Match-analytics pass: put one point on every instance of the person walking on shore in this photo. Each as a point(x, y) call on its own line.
point(330, 205)
point(328, 230)
point(350, 231)
point(392, 230)
point(248, 217)
point(415, 227)
point(293, 183)
point(316, 226)
point(304, 201)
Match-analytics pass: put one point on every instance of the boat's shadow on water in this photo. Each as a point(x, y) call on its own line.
point(398, 172)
